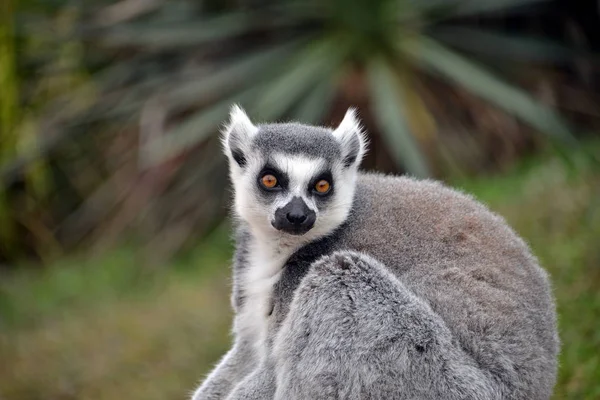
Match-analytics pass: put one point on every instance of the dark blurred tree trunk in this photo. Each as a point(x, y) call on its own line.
point(9, 108)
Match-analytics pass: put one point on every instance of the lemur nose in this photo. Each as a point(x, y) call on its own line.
point(296, 217)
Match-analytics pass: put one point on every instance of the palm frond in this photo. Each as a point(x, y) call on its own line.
point(185, 90)
point(193, 130)
point(167, 35)
point(162, 35)
point(305, 70)
point(506, 47)
point(480, 7)
point(388, 110)
point(433, 11)
point(475, 78)
point(316, 103)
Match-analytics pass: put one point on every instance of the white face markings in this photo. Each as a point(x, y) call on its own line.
point(340, 203)
point(246, 163)
point(247, 206)
point(300, 171)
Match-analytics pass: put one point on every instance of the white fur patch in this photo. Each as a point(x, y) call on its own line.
point(339, 205)
point(237, 133)
point(350, 131)
point(265, 263)
point(300, 170)
point(239, 120)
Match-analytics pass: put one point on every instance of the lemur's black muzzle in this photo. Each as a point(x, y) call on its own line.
point(295, 217)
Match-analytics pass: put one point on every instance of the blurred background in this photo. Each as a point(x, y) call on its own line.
point(114, 195)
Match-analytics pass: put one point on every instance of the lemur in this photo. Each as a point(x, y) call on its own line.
point(353, 285)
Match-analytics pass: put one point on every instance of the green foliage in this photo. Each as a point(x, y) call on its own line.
point(29, 296)
point(487, 86)
point(397, 36)
point(109, 327)
point(114, 107)
point(392, 114)
point(33, 102)
point(279, 58)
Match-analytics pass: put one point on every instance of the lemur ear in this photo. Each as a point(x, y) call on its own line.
point(237, 135)
point(352, 138)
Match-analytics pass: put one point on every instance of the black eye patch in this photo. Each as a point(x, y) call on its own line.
point(324, 175)
point(282, 179)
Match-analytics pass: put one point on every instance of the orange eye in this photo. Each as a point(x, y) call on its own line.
point(322, 186)
point(269, 181)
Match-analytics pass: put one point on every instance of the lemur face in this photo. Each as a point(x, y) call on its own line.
point(293, 180)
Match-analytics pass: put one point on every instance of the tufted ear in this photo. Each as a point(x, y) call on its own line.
point(237, 135)
point(352, 139)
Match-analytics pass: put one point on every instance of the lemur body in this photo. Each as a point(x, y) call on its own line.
point(351, 285)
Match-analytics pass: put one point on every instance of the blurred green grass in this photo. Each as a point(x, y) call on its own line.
point(109, 327)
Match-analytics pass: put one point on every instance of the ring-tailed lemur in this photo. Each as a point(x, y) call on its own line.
point(352, 285)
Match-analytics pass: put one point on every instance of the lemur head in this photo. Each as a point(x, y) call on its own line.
point(293, 182)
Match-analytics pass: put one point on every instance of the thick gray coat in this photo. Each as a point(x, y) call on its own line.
point(422, 294)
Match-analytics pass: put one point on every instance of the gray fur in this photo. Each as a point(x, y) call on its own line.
point(258, 385)
point(354, 331)
point(232, 368)
point(284, 138)
point(422, 293)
